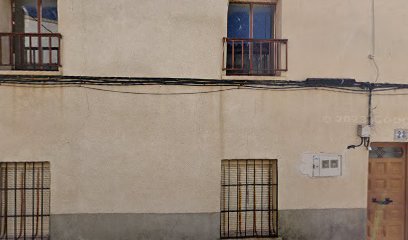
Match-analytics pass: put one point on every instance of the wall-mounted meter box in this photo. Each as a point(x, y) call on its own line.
point(364, 130)
point(327, 165)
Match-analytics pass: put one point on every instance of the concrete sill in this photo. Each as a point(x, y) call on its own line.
point(225, 77)
point(30, 73)
point(266, 238)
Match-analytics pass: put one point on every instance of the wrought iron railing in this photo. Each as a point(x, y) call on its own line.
point(30, 51)
point(249, 199)
point(255, 56)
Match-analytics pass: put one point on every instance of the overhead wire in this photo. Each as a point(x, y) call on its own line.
point(391, 94)
point(159, 94)
point(96, 83)
point(263, 88)
point(372, 55)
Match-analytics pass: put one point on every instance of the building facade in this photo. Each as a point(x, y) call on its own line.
point(194, 120)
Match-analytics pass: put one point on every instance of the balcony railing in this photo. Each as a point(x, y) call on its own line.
point(268, 57)
point(30, 51)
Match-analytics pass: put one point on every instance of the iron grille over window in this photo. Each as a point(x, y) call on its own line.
point(249, 198)
point(24, 200)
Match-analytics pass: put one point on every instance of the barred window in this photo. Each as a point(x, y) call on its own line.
point(24, 200)
point(249, 198)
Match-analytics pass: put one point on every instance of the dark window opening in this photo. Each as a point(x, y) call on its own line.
point(251, 21)
point(35, 16)
point(249, 199)
point(24, 200)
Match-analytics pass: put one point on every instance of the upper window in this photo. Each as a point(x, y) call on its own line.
point(33, 42)
point(251, 21)
point(251, 46)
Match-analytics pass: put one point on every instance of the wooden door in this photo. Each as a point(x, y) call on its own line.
point(386, 192)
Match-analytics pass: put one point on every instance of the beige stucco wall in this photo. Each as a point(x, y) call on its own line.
point(113, 152)
point(334, 39)
point(182, 38)
point(143, 38)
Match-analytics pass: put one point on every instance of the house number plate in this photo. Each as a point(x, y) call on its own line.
point(401, 135)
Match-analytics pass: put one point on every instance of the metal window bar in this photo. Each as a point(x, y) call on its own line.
point(30, 51)
point(267, 57)
point(24, 200)
point(249, 199)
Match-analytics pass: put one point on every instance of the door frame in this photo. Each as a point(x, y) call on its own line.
point(404, 146)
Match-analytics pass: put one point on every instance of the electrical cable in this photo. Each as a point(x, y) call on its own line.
point(366, 142)
point(190, 93)
point(370, 99)
point(355, 146)
point(373, 41)
point(376, 68)
point(159, 94)
point(373, 28)
point(290, 85)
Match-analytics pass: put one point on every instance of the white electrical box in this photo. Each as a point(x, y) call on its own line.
point(327, 165)
point(364, 131)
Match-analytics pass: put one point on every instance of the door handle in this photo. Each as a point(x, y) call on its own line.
point(386, 201)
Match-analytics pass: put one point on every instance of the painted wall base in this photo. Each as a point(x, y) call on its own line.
point(330, 224)
point(200, 226)
point(323, 224)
